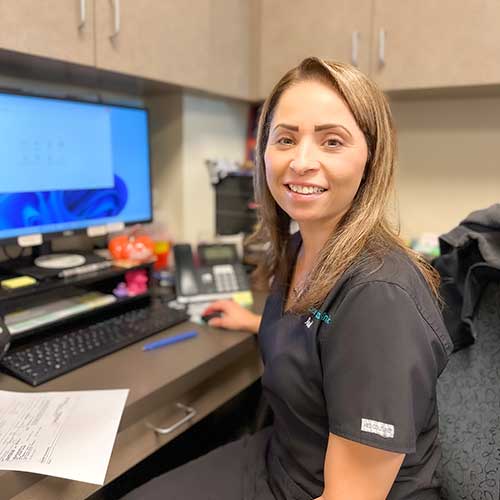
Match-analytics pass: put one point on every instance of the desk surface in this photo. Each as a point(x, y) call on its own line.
point(203, 372)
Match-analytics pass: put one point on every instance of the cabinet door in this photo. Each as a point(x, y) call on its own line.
point(165, 40)
point(436, 44)
point(294, 29)
point(58, 29)
point(229, 72)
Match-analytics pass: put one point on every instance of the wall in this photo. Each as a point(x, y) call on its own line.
point(449, 160)
point(213, 128)
point(187, 129)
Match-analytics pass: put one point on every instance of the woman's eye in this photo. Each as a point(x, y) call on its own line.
point(285, 141)
point(333, 143)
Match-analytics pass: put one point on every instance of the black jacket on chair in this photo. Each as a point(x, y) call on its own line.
point(470, 258)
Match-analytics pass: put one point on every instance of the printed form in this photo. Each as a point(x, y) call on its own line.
point(62, 434)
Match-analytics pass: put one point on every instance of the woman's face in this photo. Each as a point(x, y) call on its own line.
point(315, 155)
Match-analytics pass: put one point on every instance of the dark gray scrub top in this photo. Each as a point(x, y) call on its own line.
point(364, 367)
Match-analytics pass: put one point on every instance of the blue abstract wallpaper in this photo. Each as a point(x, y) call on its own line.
point(19, 210)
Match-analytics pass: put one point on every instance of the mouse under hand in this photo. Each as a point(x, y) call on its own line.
point(208, 316)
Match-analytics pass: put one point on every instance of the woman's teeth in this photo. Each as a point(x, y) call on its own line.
point(305, 189)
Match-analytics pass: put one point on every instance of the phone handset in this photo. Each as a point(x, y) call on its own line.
point(185, 272)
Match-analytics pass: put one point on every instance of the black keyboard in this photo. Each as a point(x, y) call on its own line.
point(43, 361)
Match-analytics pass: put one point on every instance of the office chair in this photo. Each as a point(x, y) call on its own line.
point(469, 410)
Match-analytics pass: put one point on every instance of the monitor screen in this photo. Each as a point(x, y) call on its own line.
point(67, 165)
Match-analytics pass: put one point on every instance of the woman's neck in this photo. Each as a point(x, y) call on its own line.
point(312, 242)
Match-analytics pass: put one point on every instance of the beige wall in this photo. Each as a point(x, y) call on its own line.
point(166, 122)
point(449, 160)
point(213, 128)
point(187, 129)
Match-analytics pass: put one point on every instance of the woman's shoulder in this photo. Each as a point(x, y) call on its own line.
point(396, 276)
point(392, 266)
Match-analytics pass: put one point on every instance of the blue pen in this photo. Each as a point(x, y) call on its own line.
point(169, 340)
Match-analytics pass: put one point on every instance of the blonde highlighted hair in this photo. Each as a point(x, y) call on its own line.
point(365, 230)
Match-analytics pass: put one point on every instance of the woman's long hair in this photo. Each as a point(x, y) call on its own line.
point(365, 230)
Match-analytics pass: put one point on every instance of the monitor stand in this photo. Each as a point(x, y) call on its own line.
point(26, 266)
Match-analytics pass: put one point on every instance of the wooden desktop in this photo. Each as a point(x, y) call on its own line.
point(203, 373)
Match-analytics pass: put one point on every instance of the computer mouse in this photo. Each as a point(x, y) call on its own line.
point(209, 316)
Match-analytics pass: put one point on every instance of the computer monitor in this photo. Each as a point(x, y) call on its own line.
point(68, 166)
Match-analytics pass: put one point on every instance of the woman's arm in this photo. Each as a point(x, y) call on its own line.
point(355, 471)
point(233, 316)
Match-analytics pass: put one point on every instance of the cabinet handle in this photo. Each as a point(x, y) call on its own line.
point(381, 47)
point(354, 47)
point(116, 8)
point(83, 14)
point(190, 413)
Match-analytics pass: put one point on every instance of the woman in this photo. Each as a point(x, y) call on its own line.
point(351, 336)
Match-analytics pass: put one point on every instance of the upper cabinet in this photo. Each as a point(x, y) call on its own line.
point(425, 44)
point(165, 40)
point(58, 29)
point(292, 30)
point(240, 48)
point(230, 48)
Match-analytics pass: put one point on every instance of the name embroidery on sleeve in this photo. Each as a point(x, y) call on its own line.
point(380, 428)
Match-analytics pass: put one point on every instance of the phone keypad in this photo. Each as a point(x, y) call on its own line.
point(225, 278)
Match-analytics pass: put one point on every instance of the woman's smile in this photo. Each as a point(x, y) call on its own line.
point(305, 189)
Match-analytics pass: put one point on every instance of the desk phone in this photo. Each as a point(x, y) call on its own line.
point(219, 274)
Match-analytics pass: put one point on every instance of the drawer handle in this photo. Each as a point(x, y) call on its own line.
point(190, 414)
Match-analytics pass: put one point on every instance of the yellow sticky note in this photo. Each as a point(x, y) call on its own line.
point(18, 282)
point(244, 299)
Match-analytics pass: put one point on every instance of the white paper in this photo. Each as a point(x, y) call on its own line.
point(62, 434)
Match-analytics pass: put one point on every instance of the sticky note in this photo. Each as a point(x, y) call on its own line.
point(18, 282)
point(244, 299)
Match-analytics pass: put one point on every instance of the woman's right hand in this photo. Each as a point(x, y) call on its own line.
point(233, 316)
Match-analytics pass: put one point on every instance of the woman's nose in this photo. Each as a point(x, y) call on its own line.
point(304, 159)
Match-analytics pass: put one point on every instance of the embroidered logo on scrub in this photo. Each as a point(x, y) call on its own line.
point(316, 314)
point(380, 428)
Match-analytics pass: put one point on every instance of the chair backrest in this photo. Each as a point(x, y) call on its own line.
point(469, 410)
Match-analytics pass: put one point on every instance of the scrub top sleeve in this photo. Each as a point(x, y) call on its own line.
point(379, 372)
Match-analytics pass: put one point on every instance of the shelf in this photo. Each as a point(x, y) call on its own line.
point(55, 283)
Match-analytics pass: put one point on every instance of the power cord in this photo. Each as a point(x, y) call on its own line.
point(10, 256)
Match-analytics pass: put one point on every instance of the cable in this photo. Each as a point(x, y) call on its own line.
point(9, 256)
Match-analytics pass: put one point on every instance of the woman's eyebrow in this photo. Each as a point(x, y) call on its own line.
point(293, 128)
point(326, 126)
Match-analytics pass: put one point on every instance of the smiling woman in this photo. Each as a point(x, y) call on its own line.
point(351, 336)
point(313, 167)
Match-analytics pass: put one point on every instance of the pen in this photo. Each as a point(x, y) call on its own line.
point(169, 340)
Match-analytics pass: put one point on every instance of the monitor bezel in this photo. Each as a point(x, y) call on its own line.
point(51, 235)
